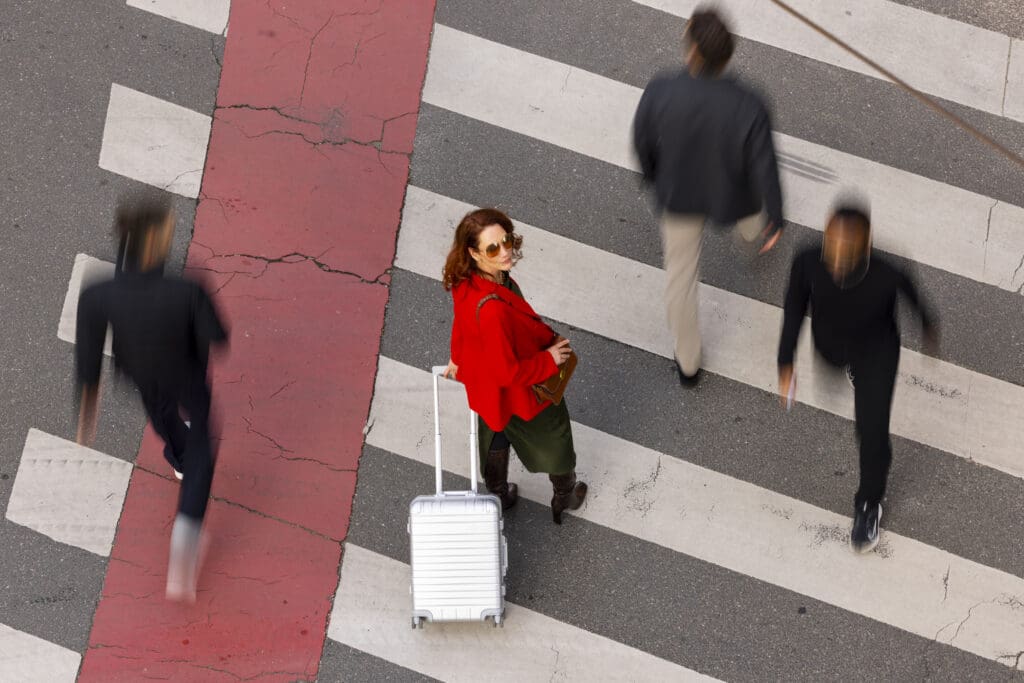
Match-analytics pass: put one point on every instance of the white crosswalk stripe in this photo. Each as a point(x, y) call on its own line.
point(913, 44)
point(371, 613)
point(154, 141)
point(68, 492)
point(931, 222)
point(209, 15)
point(85, 271)
point(25, 658)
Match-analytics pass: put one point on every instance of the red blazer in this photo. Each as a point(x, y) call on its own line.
point(500, 355)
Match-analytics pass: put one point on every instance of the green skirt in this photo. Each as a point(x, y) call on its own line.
point(543, 444)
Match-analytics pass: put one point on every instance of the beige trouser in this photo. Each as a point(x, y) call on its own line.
point(681, 239)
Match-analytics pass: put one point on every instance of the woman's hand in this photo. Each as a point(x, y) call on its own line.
point(450, 371)
point(560, 352)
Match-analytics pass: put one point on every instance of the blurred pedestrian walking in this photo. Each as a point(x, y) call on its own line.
point(162, 329)
point(852, 295)
point(500, 348)
point(704, 142)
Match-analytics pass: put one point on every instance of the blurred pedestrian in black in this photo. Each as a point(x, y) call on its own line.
point(162, 330)
point(705, 143)
point(852, 294)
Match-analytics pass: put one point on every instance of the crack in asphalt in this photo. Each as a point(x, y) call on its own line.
point(293, 257)
point(249, 428)
point(309, 57)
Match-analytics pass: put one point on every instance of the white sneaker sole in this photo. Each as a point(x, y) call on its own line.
point(180, 475)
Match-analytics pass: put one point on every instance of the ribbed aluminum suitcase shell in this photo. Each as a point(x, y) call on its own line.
point(457, 547)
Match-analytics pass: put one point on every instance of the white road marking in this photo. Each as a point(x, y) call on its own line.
point(372, 613)
point(931, 222)
point(937, 55)
point(209, 15)
point(1014, 99)
point(731, 523)
point(937, 403)
point(154, 141)
point(25, 658)
point(85, 271)
point(68, 492)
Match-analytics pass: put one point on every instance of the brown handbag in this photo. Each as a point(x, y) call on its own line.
point(553, 388)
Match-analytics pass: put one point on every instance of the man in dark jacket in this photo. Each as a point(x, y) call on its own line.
point(852, 294)
point(162, 330)
point(705, 143)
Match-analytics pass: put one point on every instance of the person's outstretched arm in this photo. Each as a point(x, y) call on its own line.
point(90, 336)
point(798, 293)
point(763, 166)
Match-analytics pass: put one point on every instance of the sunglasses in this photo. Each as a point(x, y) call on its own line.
point(510, 241)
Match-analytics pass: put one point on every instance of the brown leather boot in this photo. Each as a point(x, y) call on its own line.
point(496, 478)
point(569, 494)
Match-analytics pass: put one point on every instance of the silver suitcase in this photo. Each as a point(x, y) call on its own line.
point(457, 547)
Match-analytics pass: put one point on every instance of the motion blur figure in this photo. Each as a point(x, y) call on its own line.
point(162, 330)
point(705, 143)
point(852, 293)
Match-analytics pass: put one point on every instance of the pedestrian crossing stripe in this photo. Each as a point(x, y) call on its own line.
point(1013, 105)
point(931, 222)
point(209, 15)
point(371, 613)
point(935, 54)
point(24, 658)
point(154, 141)
point(939, 404)
point(68, 492)
point(731, 523)
point(86, 270)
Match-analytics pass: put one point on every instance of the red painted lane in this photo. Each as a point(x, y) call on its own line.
point(295, 227)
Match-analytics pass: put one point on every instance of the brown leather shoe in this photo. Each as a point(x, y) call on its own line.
point(496, 478)
point(569, 494)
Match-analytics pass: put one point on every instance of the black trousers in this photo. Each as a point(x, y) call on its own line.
point(874, 381)
point(187, 449)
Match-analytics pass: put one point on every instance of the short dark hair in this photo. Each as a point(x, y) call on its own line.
point(858, 216)
point(709, 33)
point(137, 214)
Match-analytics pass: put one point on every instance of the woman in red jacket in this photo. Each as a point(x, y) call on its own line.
point(500, 347)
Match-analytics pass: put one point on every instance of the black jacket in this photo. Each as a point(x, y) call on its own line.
point(852, 324)
point(706, 144)
point(162, 330)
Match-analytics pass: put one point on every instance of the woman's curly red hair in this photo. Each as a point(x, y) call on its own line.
point(460, 265)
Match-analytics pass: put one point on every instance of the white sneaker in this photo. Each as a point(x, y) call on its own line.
point(183, 565)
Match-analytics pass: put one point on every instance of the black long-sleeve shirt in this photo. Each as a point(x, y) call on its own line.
point(846, 323)
point(162, 329)
point(706, 145)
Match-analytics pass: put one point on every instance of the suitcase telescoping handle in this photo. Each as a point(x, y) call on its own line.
point(474, 446)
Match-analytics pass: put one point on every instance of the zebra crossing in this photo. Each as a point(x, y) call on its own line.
point(714, 542)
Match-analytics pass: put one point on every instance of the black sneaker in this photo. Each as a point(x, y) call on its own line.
point(864, 536)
